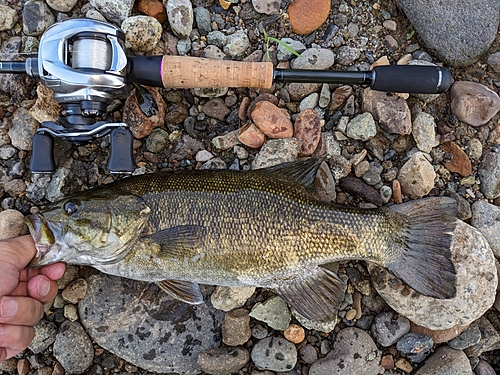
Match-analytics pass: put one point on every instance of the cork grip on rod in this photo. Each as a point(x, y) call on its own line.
point(195, 72)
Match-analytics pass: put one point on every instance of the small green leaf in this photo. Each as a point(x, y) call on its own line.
point(268, 39)
point(410, 35)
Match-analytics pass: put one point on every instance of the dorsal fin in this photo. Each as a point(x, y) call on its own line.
point(302, 172)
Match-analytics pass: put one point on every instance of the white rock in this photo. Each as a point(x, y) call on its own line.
point(228, 298)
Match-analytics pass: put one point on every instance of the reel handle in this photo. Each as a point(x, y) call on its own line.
point(42, 156)
point(121, 155)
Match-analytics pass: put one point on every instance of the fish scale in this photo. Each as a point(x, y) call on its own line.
point(263, 228)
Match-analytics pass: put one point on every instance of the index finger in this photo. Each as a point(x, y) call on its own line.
point(15, 254)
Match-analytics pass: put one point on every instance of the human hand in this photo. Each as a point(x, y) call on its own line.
point(23, 292)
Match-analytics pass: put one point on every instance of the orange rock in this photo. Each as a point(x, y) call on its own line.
point(271, 120)
point(152, 8)
point(295, 333)
point(460, 162)
point(387, 362)
point(307, 15)
point(307, 128)
point(251, 136)
point(225, 4)
point(439, 336)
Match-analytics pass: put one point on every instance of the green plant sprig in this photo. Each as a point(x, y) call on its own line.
point(269, 39)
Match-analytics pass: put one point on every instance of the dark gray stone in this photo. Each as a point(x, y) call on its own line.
point(45, 335)
point(146, 327)
point(486, 219)
point(467, 338)
point(490, 339)
point(446, 361)
point(36, 17)
point(202, 17)
point(484, 368)
point(489, 174)
point(456, 31)
point(389, 327)
point(415, 346)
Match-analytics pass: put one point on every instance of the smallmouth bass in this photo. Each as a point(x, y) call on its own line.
point(262, 228)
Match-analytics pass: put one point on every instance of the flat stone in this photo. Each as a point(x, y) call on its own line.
point(45, 335)
point(23, 129)
point(307, 128)
point(148, 328)
point(441, 335)
point(494, 61)
point(46, 108)
point(271, 120)
point(216, 108)
point(140, 125)
point(62, 5)
point(489, 339)
point(415, 346)
point(354, 352)
point(314, 58)
point(75, 291)
point(362, 127)
point(471, 336)
point(236, 327)
point(202, 18)
point(8, 17)
point(416, 176)
point(391, 111)
point(339, 97)
point(237, 44)
point(307, 16)
point(223, 361)
point(37, 17)
point(454, 30)
point(476, 285)
point(274, 312)
point(460, 163)
point(446, 361)
point(473, 103)
point(266, 6)
point(152, 8)
point(284, 54)
point(226, 141)
point(277, 151)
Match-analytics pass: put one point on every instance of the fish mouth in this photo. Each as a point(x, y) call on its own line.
point(44, 234)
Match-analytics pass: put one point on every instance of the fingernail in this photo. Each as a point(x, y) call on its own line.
point(43, 287)
point(8, 307)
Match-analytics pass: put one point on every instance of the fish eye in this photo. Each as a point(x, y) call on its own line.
point(70, 207)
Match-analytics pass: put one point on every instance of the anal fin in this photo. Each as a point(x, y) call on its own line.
point(317, 297)
point(185, 291)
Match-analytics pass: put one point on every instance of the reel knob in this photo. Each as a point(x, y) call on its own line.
point(42, 156)
point(121, 144)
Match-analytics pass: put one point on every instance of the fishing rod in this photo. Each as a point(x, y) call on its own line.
point(83, 61)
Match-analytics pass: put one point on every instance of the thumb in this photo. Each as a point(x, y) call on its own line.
point(15, 254)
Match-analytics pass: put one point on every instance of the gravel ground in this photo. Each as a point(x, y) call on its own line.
point(381, 150)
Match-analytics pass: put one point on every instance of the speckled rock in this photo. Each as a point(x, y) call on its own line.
point(314, 58)
point(423, 132)
point(180, 17)
point(362, 127)
point(391, 111)
point(446, 361)
point(476, 285)
point(8, 17)
point(75, 291)
point(45, 108)
point(307, 128)
point(12, 224)
point(147, 328)
point(226, 141)
point(388, 327)
point(489, 174)
point(489, 338)
point(473, 103)
point(277, 151)
point(416, 176)
point(73, 348)
point(486, 219)
point(354, 352)
point(467, 338)
point(307, 16)
point(274, 312)
point(266, 6)
point(113, 10)
point(284, 54)
point(275, 354)
point(271, 120)
point(62, 5)
point(23, 129)
point(142, 33)
point(236, 327)
point(37, 17)
point(237, 44)
point(45, 335)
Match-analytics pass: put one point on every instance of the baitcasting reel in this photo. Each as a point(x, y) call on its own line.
point(84, 62)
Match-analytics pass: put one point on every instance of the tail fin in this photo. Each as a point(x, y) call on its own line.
point(424, 262)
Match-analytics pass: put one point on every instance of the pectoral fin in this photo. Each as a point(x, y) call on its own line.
point(317, 297)
point(179, 242)
point(186, 291)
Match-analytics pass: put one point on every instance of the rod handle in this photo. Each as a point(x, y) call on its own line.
point(415, 79)
point(197, 72)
